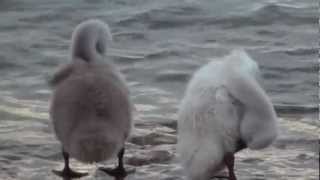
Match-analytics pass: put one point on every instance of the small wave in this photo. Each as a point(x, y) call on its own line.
point(267, 15)
point(173, 76)
point(310, 67)
point(271, 75)
point(162, 53)
point(292, 15)
point(302, 141)
point(166, 17)
point(4, 65)
point(8, 5)
point(307, 69)
point(130, 35)
point(299, 51)
point(126, 58)
point(173, 17)
point(296, 109)
point(22, 112)
point(302, 51)
point(270, 33)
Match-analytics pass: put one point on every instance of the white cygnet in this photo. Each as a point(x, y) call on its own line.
point(90, 108)
point(224, 110)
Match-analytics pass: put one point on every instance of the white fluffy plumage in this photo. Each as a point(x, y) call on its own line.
point(90, 107)
point(223, 104)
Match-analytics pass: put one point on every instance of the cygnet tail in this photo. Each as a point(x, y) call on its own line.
point(258, 127)
point(90, 40)
point(94, 147)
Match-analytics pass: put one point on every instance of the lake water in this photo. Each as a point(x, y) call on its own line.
point(158, 45)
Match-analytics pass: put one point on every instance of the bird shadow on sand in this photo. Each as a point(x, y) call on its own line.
point(108, 177)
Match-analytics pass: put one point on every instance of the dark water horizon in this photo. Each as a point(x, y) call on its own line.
point(163, 43)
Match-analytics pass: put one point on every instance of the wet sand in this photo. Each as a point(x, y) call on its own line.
point(151, 148)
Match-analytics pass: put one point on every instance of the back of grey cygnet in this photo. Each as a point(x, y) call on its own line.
point(90, 108)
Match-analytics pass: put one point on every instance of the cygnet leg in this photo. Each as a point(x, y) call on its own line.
point(67, 172)
point(119, 172)
point(229, 161)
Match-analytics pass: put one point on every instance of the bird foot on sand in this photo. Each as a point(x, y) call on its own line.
point(119, 173)
point(221, 175)
point(69, 174)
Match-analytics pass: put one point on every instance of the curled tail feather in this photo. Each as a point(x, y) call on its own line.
point(90, 40)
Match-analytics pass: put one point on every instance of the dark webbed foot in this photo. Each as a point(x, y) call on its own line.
point(228, 160)
point(69, 173)
point(220, 177)
point(119, 173)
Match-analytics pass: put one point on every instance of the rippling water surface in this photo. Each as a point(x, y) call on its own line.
point(158, 45)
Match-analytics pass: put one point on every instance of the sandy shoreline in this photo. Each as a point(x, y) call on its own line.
point(151, 151)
